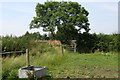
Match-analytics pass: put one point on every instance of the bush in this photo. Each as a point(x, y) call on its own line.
point(16, 44)
point(108, 42)
point(86, 42)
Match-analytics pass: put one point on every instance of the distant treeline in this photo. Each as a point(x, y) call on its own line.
point(86, 42)
point(98, 42)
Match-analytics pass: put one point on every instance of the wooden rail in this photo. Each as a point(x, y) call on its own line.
point(12, 52)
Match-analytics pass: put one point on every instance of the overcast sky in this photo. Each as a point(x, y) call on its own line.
point(15, 17)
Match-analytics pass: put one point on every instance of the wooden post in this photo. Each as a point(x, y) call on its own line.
point(62, 49)
point(75, 47)
point(27, 58)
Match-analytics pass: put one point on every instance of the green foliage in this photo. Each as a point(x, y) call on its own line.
point(35, 35)
point(16, 44)
point(66, 36)
point(86, 42)
point(108, 43)
point(13, 74)
point(65, 17)
point(10, 43)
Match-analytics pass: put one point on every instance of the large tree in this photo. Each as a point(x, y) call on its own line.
point(64, 17)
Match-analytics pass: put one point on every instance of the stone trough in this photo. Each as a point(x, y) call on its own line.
point(32, 71)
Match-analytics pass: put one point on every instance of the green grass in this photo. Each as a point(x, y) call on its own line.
point(87, 65)
point(95, 65)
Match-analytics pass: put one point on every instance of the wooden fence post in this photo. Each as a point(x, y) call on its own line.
point(27, 58)
point(62, 50)
point(75, 47)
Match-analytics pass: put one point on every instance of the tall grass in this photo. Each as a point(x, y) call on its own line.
point(39, 56)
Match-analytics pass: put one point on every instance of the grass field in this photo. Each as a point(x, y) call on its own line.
point(87, 65)
point(97, 65)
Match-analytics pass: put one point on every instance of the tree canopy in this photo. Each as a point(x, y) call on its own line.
point(64, 17)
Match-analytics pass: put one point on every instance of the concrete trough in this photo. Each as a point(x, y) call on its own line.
point(32, 71)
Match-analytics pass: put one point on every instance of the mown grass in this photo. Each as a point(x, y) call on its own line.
point(95, 65)
point(88, 65)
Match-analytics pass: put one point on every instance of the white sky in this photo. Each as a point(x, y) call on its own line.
point(15, 16)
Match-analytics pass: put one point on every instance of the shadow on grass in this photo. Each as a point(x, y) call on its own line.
point(47, 77)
